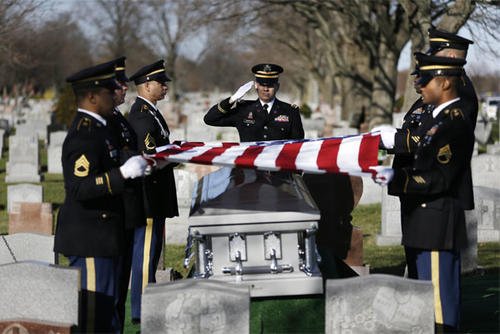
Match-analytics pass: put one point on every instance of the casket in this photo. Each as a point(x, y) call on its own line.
point(256, 228)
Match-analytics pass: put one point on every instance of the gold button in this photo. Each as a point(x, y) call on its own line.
point(104, 216)
point(423, 205)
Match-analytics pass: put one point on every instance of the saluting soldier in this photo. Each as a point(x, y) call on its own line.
point(432, 213)
point(90, 222)
point(132, 195)
point(266, 118)
point(160, 199)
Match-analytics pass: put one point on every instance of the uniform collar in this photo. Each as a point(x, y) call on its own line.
point(269, 104)
point(148, 102)
point(98, 117)
point(440, 107)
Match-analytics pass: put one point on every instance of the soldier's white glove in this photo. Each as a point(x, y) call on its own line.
point(384, 174)
point(241, 92)
point(387, 134)
point(134, 167)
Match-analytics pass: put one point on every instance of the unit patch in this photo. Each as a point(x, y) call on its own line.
point(444, 154)
point(82, 166)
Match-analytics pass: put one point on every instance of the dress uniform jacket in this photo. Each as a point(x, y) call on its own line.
point(431, 210)
point(126, 138)
point(254, 123)
point(160, 198)
point(90, 221)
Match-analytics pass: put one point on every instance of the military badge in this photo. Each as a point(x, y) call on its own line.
point(282, 118)
point(82, 166)
point(444, 154)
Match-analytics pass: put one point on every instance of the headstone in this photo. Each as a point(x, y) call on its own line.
point(23, 192)
point(493, 149)
point(487, 213)
point(54, 152)
point(485, 169)
point(195, 306)
point(26, 327)
point(176, 229)
point(468, 254)
point(23, 164)
point(31, 218)
point(345, 131)
point(26, 246)
point(372, 192)
point(379, 304)
point(397, 119)
point(390, 233)
point(39, 292)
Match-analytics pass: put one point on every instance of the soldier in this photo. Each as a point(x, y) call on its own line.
point(160, 199)
point(266, 118)
point(132, 196)
point(432, 213)
point(90, 222)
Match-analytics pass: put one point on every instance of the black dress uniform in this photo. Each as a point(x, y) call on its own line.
point(432, 211)
point(134, 215)
point(159, 192)
point(90, 222)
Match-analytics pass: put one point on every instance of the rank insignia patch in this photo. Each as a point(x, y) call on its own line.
point(149, 141)
point(82, 166)
point(444, 154)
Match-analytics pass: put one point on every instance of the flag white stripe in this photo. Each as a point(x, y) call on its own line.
point(267, 158)
point(308, 156)
point(227, 158)
point(189, 154)
point(347, 158)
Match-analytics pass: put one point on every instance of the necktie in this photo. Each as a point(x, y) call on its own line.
point(265, 106)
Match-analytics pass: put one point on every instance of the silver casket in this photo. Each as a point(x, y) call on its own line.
point(256, 228)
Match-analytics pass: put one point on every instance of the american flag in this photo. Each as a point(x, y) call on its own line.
point(353, 155)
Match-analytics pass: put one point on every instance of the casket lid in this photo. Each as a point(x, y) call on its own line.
point(243, 196)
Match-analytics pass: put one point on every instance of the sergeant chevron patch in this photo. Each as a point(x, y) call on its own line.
point(82, 166)
point(444, 154)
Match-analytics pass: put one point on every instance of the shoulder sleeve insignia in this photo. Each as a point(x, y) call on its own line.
point(149, 141)
point(444, 154)
point(82, 166)
point(456, 113)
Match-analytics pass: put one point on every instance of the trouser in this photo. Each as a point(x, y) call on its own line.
point(442, 267)
point(97, 312)
point(124, 268)
point(148, 242)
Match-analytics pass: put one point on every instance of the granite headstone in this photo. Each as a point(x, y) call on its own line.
point(26, 247)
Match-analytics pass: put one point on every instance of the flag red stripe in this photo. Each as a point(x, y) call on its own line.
point(368, 152)
point(286, 158)
point(208, 156)
point(248, 157)
point(327, 155)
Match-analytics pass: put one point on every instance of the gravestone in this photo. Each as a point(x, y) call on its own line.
point(487, 212)
point(372, 192)
point(391, 220)
point(34, 291)
point(379, 304)
point(493, 149)
point(31, 218)
point(25, 247)
point(23, 192)
point(54, 152)
point(344, 131)
point(468, 254)
point(23, 164)
point(195, 306)
point(485, 169)
point(176, 229)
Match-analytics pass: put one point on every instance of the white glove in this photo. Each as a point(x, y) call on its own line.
point(241, 92)
point(387, 134)
point(133, 167)
point(384, 174)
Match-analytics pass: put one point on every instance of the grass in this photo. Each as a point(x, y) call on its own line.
point(480, 307)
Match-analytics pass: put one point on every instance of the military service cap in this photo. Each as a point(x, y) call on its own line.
point(429, 67)
point(120, 69)
point(439, 40)
point(152, 72)
point(102, 75)
point(267, 74)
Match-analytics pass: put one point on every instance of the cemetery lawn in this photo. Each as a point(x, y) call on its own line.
point(480, 290)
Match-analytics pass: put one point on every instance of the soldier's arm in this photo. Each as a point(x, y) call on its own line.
point(145, 131)
point(83, 175)
point(220, 114)
point(296, 130)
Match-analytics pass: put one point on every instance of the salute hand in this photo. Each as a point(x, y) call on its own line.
point(241, 92)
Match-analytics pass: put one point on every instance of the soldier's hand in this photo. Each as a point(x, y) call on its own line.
point(383, 174)
point(387, 134)
point(134, 167)
point(241, 92)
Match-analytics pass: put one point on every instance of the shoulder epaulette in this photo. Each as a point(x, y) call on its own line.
point(144, 108)
point(84, 123)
